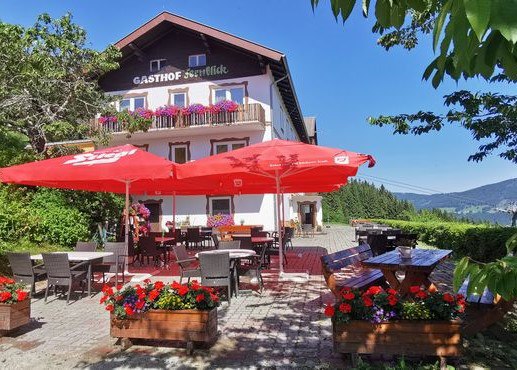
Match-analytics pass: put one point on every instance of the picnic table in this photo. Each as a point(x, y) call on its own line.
point(90, 257)
point(417, 269)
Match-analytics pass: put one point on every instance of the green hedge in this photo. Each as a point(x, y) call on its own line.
point(479, 241)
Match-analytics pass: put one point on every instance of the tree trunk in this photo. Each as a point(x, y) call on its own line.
point(514, 219)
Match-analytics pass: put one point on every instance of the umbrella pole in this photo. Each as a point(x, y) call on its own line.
point(126, 226)
point(174, 210)
point(280, 237)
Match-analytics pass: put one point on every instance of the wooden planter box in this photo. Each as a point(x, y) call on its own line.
point(183, 325)
point(404, 337)
point(14, 315)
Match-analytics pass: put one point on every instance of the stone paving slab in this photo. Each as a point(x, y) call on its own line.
point(282, 328)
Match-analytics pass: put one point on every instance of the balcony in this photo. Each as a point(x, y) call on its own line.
point(246, 117)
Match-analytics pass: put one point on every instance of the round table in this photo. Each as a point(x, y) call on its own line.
point(234, 253)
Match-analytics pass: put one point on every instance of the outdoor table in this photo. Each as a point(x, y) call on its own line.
point(234, 253)
point(164, 239)
point(90, 257)
point(417, 269)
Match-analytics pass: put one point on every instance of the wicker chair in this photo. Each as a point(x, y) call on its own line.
point(60, 273)
point(255, 264)
point(194, 237)
point(85, 247)
point(23, 270)
point(245, 242)
point(114, 263)
point(230, 244)
point(215, 240)
point(189, 266)
point(148, 248)
point(216, 271)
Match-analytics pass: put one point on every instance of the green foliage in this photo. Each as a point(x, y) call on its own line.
point(471, 37)
point(49, 80)
point(362, 200)
point(415, 311)
point(479, 241)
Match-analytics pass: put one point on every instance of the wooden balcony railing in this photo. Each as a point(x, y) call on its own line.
point(248, 113)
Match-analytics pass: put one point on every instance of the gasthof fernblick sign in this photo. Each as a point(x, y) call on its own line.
point(181, 75)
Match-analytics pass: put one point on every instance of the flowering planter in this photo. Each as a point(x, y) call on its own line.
point(403, 337)
point(181, 325)
point(14, 315)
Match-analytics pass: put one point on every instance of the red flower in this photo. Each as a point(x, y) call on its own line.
point(118, 298)
point(110, 307)
point(195, 285)
point(182, 290)
point(349, 296)
point(329, 311)
point(119, 287)
point(106, 289)
point(200, 297)
point(421, 294)
point(129, 310)
point(392, 300)
point(460, 297)
point(147, 281)
point(367, 301)
point(139, 304)
point(6, 280)
point(345, 308)
point(21, 295)
point(103, 299)
point(159, 285)
point(214, 297)
point(414, 289)
point(374, 290)
point(392, 291)
point(4, 296)
point(153, 294)
point(448, 298)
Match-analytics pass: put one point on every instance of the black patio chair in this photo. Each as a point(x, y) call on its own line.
point(59, 273)
point(23, 270)
point(85, 246)
point(194, 237)
point(189, 266)
point(148, 249)
point(216, 271)
point(114, 263)
point(254, 264)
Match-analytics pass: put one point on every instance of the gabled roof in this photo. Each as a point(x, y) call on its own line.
point(276, 60)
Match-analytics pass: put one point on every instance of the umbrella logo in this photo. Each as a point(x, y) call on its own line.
point(237, 183)
point(341, 159)
point(90, 159)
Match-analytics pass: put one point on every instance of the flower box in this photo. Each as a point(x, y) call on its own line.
point(402, 337)
point(181, 325)
point(14, 315)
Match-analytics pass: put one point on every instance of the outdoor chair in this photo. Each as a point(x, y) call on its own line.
point(194, 237)
point(230, 244)
point(245, 242)
point(378, 244)
point(216, 271)
point(85, 247)
point(148, 248)
point(179, 236)
point(215, 240)
point(289, 234)
point(114, 263)
point(254, 264)
point(189, 266)
point(255, 230)
point(59, 273)
point(275, 247)
point(207, 234)
point(23, 270)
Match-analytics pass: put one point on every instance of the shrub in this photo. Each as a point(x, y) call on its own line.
point(481, 242)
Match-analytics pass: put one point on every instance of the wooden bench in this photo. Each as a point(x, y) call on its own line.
point(483, 310)
point(343, 269)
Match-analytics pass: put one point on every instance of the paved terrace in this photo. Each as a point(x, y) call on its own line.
point(284, 327)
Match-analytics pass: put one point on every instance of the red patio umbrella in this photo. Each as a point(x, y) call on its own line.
point(123, 169)
point(276, 166)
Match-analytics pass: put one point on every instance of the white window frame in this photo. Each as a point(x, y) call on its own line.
point(172, 94)
point(173, 152)
point(228, 95)
point(196, 58)
point(159, 63)
point(228, 144)
point(131, 102)
point(210, 204)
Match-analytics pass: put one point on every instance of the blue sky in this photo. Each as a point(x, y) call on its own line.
point(340, 74)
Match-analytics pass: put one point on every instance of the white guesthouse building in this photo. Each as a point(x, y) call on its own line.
point(171, 60)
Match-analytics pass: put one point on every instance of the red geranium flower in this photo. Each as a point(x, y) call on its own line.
point(4, 296)
point(374, 290)
point(147, 281)
point(448, 298)
point(329, 311)
point(414, 289)
point(119, 287)
point(139, 304)
point(118, 298)
point(103, 299)
point(345, 308)
point(392, 300)
point(392, 291)
point(214, 297)
point(106, 289)
point(182, 290)
point(200, 297)
point(367, 301)
point(129, 310)
point(159, 285)
point(195, 285)
point(21, 295)
point(460, 297)
point(421, 294)
point(153, 294)
point(349, 296)
point(110, 307)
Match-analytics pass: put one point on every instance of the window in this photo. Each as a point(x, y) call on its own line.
point(220, 205)
point(228, 146)
point(131, 103)
point(179, 99)
point(155, 209)
point(179, 152)
point(235, 94)
point(156, 64)
point(198, 60)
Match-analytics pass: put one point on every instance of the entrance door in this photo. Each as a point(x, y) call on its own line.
point(307, 211)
